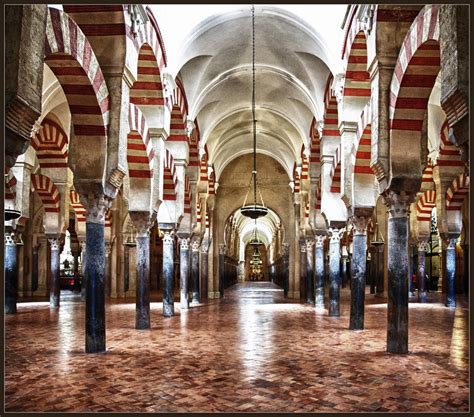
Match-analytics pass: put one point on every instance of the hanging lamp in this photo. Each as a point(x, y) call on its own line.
point(254, 210)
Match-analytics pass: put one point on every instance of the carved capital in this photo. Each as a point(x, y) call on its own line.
point(335, 234)
point(222, 248)
point(422, 245)
point(319, 240)
point(142, 221)
point(168, 237)
point(10, 239)
point(195, 246)
point(55, 242)
point(83, 245)
point(204, 247)
point(184, 243)
point(303, 247)
point(108, 248)
point(96, 206)
point(398, 203)
point(309, 244)
point(286, 248)
point(451, 242)
point(360, 224)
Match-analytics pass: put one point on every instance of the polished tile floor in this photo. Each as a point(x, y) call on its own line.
point(252, 351)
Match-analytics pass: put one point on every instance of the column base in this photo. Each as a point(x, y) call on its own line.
point(195, 298)
point(54, 302)
point(168, 310)
point(142, 324)
point(422, 297)
point(184, 305)
point(10, 308)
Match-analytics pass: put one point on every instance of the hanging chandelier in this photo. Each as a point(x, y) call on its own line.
point(255, 241)
point(255, 210)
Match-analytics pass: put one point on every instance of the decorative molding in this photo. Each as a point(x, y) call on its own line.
point(398, 203)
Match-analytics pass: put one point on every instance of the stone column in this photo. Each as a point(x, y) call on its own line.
point(334, 270)
point(465, 251)
point(451, 272)
point(75, 254)
point(55, 284)
point(84, 268)
point(303, 271)
point(142, 222)
point(358, 272)
point(310, 297)
point(204, 268)
point(398, 204)
point(126, 268)
point(96, 206)
point(286, 276)
point(422, 244)
point(195, 270)
point(412, 267)
point(34, 272)
point(168, 274)
point(108, 250)
point(11, 273)
point(319, 269)
point(379, 261)
point(344, 266)
point(221, 269)
point(184, 273)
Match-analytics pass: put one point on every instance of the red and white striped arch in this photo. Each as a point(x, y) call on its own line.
point(207, 218)
point(336, 172)
point(457, 192)
point(304, 165)
point(187, 195)
point(427, 176)
point(51, 145)
point(139, 146)
point(296, 180)
point(414, 76)
point(203, 166)
point(10, 184)
point(315, 143)
point(179, 114)
point(425, 205)
point(361, 152)
point(194, 146)
point(306, 210)
point(198, 209)
point(71, 58)
point(357, 80)
point(331, 118)
point(169, 180)
point(47, 192)
point(81, 214)
point(448, 153)
point(211, 185)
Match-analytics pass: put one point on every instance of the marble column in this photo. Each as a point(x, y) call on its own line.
point(303, 271)
point(398, 204)
point(96, 206)
point(204, 270)
point(358, 272)
point(319, 271)
point(412, 267)
point(168, 274)
point(422, 245)
point(55, 284)
point(310, 271)
point(221, 269)
point(195, 271)
point(344, 266)
point(451, 272)
point(11, 273)
point(126, 268)
point(286, 275)
point(334, 270)
point(34, 272)
point(142, 222)
point(75, 255)
point(84, 268)
point(108, 250)
point(184, 273)
point(379, 255)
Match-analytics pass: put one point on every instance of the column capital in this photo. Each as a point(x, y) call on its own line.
point(319, 239)
point(309, 244)
point(451, 242)
point(398, 202)
point(55, 242)
point(96, 205)
point(184, 243)
point(335, 234)
point(10, 239)
point(168, 237)
point(108, 248)
point(360, 224)
point(195, 244)
point(82, 243)
point(204, 247)
point(222, 248)
point(142, 221)
point(422, 245)
point(303, 247)
point(286, 248)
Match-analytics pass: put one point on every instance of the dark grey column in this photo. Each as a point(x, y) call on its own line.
point(286, 272)
point(358, 272)
point(344, 266)
point(168, 274)
point(108, 250)
point(334, 270)
point(204, 267)
point(319, 271)
point(195, 270)
point(310, 271)
point(76, 271)
point(34, 272)
point(142, 221)
point(11, 273)
point(184, 273)
point(126, 268)
point(451, 272)
point(222, 248)
point(421, 271)
point(84, 268)
point(303, 271)
point(379, 268)
point(55, 285)
point(398, 269)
